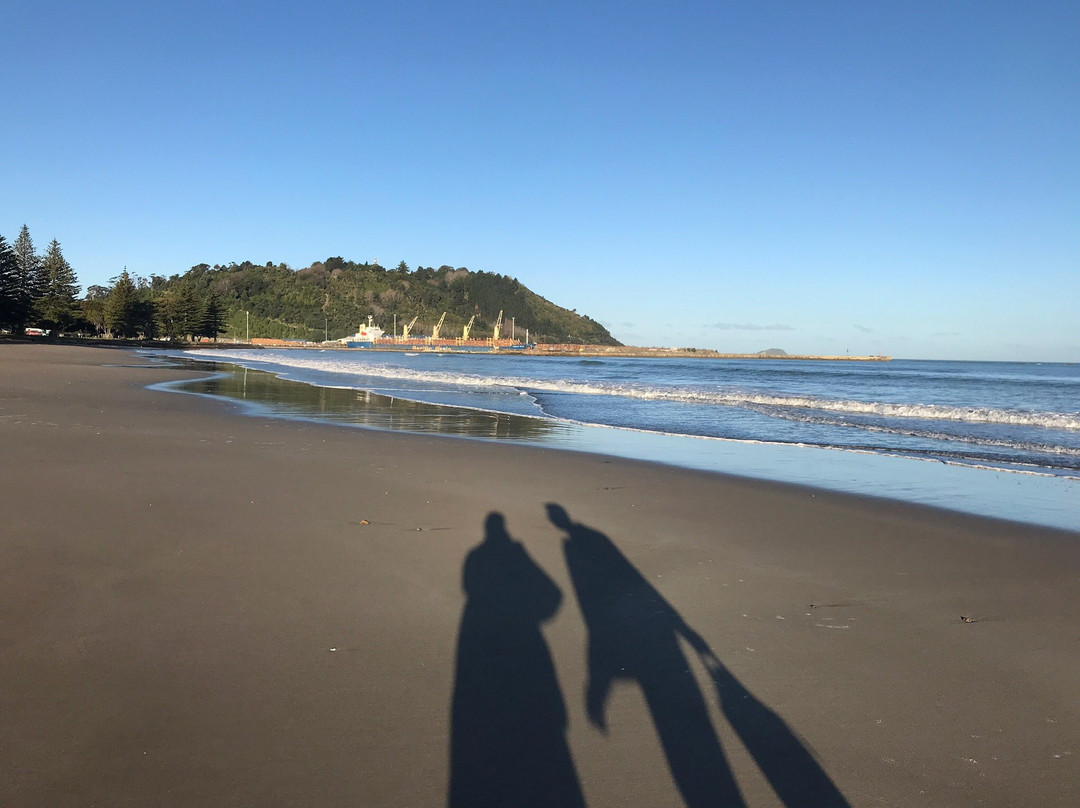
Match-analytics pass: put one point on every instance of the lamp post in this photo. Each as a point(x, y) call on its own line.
point(247, 326)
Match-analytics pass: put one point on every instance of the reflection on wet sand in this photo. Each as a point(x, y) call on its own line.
point(289, 399)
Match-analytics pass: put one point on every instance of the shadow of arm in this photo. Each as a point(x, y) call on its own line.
point(787, 763)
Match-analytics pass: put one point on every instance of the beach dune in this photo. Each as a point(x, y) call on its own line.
point(199, 607)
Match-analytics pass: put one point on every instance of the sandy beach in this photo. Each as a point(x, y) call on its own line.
point(199, 607)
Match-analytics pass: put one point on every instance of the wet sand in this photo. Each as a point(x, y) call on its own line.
point(204, 608)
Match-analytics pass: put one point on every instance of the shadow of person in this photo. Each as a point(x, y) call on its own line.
point(508, 718)
point(634, 634)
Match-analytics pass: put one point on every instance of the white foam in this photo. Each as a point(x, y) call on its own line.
point(353, 366)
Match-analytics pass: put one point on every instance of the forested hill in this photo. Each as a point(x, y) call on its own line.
point(333, 297)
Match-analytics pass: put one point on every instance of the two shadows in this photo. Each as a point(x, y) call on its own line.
point(509, 720)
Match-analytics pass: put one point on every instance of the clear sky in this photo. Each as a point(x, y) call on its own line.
point(875, 177)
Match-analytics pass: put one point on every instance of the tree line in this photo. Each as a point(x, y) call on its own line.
point(41, 291)
point(327, 299)
point(152, 308)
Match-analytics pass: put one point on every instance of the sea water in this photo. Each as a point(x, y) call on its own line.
point(995, 438)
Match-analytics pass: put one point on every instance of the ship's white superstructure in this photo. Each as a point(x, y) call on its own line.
point(366, 334)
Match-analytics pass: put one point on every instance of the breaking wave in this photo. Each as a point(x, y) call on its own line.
point(775, 404)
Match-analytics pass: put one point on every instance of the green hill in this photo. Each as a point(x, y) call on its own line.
point(333, 297)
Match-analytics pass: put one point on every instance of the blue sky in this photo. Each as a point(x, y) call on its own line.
point(867, 177)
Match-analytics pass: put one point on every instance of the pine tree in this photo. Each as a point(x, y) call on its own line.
point(28, 277)
point(213, 319)
point(120, 315)
point(55, 305)
point(179, 312)
point(146, 318)
point(9, 289)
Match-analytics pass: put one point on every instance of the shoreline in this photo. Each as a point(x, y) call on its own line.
point(203, 607)
point(1039, 497)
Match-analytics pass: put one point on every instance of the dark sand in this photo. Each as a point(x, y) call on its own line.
point(193, 613)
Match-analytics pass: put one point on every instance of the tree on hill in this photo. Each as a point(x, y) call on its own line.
point(337, 295)
point(55, 305)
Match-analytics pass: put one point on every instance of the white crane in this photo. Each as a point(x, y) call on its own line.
point(405, 329)
point(468, 327)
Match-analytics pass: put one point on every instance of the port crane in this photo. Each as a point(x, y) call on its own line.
point(405, 329)
point(438, 327)
point(468, 327)
point(498, 329)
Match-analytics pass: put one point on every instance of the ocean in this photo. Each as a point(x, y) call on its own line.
point(995, 438)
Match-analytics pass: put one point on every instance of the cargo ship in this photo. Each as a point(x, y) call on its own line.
point(371, 337)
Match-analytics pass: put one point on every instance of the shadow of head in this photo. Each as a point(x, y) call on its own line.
point(558, 516)
point(495, 527)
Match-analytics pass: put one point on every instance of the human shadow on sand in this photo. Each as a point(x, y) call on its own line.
point(508, 719)
point(633, 634)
